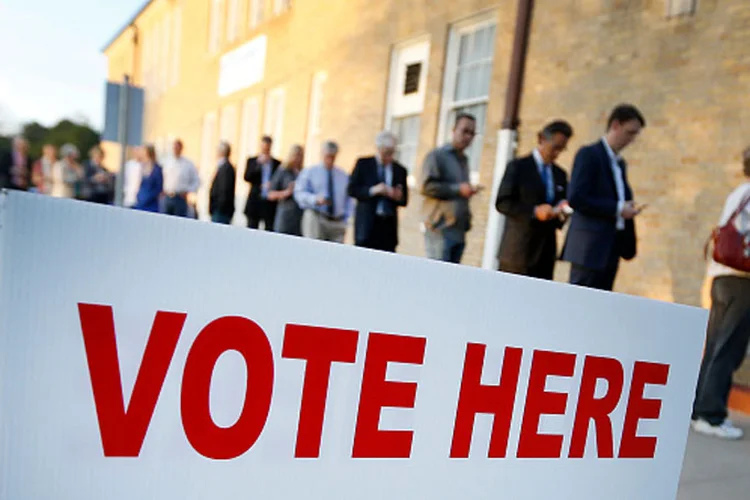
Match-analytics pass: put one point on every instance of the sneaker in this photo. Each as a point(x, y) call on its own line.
point(726, 430)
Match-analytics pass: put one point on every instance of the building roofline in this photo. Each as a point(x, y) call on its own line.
point(130, 22)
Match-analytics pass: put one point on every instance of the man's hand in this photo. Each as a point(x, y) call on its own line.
point(322, 201)
point(544, 212)
point(396, 193)
point(466, 190)
point(629, 211)
point(379, 189)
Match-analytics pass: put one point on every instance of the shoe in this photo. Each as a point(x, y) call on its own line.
point(726, 430)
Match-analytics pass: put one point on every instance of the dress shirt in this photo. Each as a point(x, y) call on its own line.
point(312, 183)
point(385, 173)
point(265, 178)
point(614, 162)
point(180, 176)
point(133, 176)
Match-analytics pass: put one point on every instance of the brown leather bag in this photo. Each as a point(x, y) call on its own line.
point(731, 248)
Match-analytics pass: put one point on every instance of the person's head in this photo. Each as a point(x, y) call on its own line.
point(69, 152)
point(224, 150)
point(623, 126)
point(96, 155)
point(328, 153)
point(746, 162)
point(49, 151)
point(149, 151)
point(265, 145)
point(553, 140)
point(385, 143)
point(21, 145)
point(296, 157)
point(177, 148)
point(464, 130)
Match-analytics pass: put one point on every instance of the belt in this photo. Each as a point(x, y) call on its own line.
point(331, 217)
point(177, 195)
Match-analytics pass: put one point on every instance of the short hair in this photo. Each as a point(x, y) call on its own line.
point(96, 150)
point(267, 139)
point(464, 116)
point(19, 139)
point(385, 139)
point(69, 150)
point(150, 151)
point(624, 113)
point(293, 151)
point(557, 127)
point(746, 162)
point(225, 148)
point(329, 148)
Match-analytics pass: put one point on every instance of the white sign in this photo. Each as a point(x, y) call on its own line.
point(143, 356)
point(243, 66)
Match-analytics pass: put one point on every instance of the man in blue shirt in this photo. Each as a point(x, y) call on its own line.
point(321, 191)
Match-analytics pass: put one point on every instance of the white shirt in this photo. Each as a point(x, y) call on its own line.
point(742, 223)
point(132, 180)
point(541, 167)
point(180, 176)
point(619, 182)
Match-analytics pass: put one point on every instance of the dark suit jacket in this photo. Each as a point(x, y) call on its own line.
point(255, 206)
point(525, 237)
point(222, 190)
point(365, 176)
point(593, 227)
point(6, 179)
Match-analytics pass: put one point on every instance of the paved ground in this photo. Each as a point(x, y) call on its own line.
point(715, 469)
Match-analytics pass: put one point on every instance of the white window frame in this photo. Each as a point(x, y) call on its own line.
point(166, 43)
point(447, 102)
point(274, 125)
point(215, 18)
point(233, 20)
point(249, 139)
point(314, 118)
point(174, 66)
point(281, 6)
point(228, 127)
point(207, 166)
point(156, 40)
point(676, 8)
point(255, 13)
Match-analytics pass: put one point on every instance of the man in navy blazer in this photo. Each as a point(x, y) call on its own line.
point(378, 183)
point(602, 229)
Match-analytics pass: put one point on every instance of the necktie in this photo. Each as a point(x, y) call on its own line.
point(549, 193)
point(331, 205)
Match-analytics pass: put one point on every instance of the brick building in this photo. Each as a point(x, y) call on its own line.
point(306, 70)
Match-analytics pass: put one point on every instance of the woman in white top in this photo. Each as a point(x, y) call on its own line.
point(728, 329)
point(67, 174)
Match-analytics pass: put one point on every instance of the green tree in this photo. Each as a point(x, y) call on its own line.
point(66, 131)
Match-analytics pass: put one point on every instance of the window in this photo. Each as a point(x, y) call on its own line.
point(406, 95)
point(215, 27)
point(164, 56)
point(233, 18)
point(155, 55)
point(228, 126)
point(249, 139)
point(273, 123)
point(467, 81)
point(146, 65)
point(207, 167)
point(681, 7)
point(174, 68)
point(314, 130)
point(256, 13)
point(281, 6)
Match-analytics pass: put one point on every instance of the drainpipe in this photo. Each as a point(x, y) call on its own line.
point(508, 136)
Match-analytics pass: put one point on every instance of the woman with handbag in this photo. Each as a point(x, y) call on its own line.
point(729, 322)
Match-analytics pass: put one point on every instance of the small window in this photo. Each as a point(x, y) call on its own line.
point(681, 7)
point(215, 26)
point(411, 83)
point(256, 13)
point(281, 6)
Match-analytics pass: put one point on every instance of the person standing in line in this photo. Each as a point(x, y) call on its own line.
point(67, 174)
point(99, 186)
point(602, 229)
point(288, 213)
point(221, 201)
point(532, 198)
point(378, 183)
point(728, 332)
point(258, 172)
point(152, 181)
point(181, 180)
point(42, 171)
point(15, 166)
point(447, 191)
point(321, 191)
point(133, 173)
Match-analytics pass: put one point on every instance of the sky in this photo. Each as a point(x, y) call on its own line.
point(51, 65)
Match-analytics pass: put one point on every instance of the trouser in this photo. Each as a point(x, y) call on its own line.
point(383, 236)
point(265, 213)
point(318, 227)
point(726, 346)
point(176, 205)
point(221, 218)
point(444, 245)
point(599, 279)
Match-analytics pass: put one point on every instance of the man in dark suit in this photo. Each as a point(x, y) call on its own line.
point(258, 173)
point(15, 166)
point(379, 185)
point(532, 197)
point(602, 229)
point(221, 202)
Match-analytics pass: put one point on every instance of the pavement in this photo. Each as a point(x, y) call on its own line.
point(717, 470)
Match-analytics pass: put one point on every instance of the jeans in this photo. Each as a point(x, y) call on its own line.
point(176, 205)
point(220, 218)
point(444, 247)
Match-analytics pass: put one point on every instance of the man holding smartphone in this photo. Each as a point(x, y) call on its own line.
point(602, 228)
